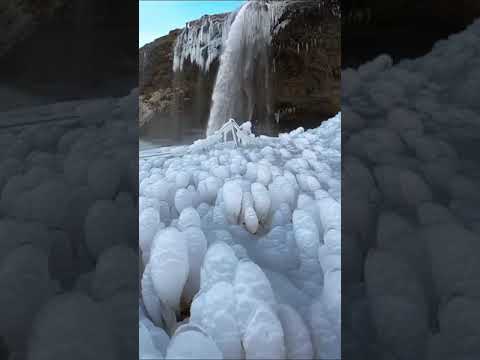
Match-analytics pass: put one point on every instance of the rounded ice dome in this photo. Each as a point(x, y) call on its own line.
point(240, 230)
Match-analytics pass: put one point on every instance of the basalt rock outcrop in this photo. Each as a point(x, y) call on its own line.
point(303, 70)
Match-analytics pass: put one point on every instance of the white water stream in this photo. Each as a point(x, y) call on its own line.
point(248, 39)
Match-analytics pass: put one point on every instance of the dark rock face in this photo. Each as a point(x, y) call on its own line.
point(400, 28)
point(155, 61)
point(69, 49)
point(19, 18)
point(306, 54)
point(156, 76)
point(304, 73)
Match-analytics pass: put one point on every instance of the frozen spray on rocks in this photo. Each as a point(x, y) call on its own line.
point(241, 40)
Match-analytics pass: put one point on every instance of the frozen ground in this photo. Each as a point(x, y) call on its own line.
point(68, 234)
point(240, 249)
point(411, 195)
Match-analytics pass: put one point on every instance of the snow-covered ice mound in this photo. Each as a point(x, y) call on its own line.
point(68, 231)
point(411, 195)
point(242, 245)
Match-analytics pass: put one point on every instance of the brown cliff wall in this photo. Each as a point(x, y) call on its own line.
point(307, 61)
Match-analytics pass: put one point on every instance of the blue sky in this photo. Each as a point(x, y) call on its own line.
point(158, 17)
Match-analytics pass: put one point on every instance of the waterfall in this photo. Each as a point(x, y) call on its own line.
point(234, 94)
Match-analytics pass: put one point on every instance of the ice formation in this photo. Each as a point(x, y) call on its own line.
point(67, 229)
point(411, 190)
point(247, 242)
point(169, 251)
point(192, 344)
point(236, 39)
point(202, 41)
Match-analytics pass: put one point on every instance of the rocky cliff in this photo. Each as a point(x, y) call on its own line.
point(156, 76)
point(304, 67)
point(306, 63)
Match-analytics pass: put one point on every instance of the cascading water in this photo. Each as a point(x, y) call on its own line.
point(236, 91)
point(241, 39)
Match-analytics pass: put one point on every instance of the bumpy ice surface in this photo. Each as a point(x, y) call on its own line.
point(68, 230)
point(241, 248)
point(411, 191)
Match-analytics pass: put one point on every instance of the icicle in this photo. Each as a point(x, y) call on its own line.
point(198, 36)
point(298, 48)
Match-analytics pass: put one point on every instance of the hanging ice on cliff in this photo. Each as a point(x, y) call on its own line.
point(242, 38)
point(201, 41)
